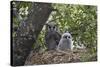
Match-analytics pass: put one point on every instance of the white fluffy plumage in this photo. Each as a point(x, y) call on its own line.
point(65, 42)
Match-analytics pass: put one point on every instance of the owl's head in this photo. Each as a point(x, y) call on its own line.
point(67, 35)
point(51, 26)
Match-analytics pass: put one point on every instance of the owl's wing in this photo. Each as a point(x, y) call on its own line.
point(57, 37)
point(47, 38)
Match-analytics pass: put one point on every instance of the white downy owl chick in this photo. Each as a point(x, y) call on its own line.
point(65, 42)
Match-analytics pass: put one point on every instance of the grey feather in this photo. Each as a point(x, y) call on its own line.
point(52, 36)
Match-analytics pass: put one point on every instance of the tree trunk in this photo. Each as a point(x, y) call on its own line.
point(28, 32)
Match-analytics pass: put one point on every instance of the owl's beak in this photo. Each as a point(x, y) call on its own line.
point(51, 29)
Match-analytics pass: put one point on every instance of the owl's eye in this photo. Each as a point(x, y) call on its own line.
point(54, 27)
point(49, 27)
point(65, 37)
point(68, 36)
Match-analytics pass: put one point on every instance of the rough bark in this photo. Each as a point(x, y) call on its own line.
point(28, 32)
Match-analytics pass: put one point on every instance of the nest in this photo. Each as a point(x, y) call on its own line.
point(54, 57)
